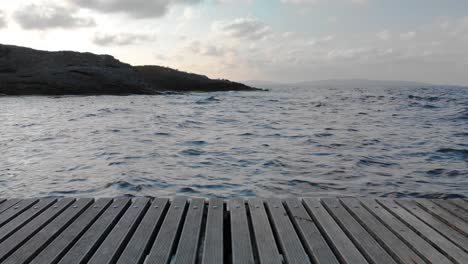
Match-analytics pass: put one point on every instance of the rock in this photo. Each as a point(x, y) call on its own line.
point(168, 79)
point(24, 71)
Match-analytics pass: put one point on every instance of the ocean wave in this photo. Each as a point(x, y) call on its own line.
point(300, 142)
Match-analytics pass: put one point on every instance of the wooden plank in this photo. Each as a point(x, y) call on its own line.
point(444, 215)
point(17, 239)
point(290, 231)
point(433, 237)
point(166, 240)
point(213, 250)
point(450, 233)
point(263, 234)
point(83, 249)
point(59, 246)
point(452, 208)
point(313, 241)
point(15, 210)
point(288, 239)
point(342, 245)
point(394, 246)
point(24, 218)
point(361, 238)
point(460, 203)
point(187, 250)
point(241, 243)
point(110, 249)
point(40, 240)
point(138, 246)
point(7, 204)
point(400, 229)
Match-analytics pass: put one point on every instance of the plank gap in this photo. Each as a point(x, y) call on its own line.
point(179, 231)
point(106, 233)
point(437, 247)
point(201, 239)
point(274, 229)
point(227, 235)
point(252, 233)
point(131, 231)
point(80, 234)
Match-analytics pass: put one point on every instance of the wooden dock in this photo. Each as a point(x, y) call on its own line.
point(238, 231)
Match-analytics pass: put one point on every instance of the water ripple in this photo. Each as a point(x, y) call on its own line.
point(310, 142)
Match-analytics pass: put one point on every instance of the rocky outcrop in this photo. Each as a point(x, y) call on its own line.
point(25, 71)
point(168, 79)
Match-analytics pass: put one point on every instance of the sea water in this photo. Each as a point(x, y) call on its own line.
point(405, 142)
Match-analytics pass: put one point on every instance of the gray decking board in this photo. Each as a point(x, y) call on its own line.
point(450, 233)
point(115, 241)
point(446, 216)
point(289, 241)
point(460, 203)
point(267, 249)
point(138, 246)
point(358, 234)
point(12, 226)
point(84, 248)
point(15, 210)
point(452, 208)
point(411, 238)
point(243, 231)
point(34, 245)
point(347, 252)
point(7, 204)
point(382, 234)
point(313, 240)
point(55, 250)
point(213, 248)
point(165, 243)
point(18, 238)
point(437, 240)
point(187, 250)
point(241, 240)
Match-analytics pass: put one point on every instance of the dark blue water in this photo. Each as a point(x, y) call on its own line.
point(308, 142)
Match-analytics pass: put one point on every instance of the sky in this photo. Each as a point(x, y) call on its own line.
point(273, 40)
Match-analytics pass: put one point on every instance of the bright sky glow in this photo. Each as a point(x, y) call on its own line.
point(277, 40)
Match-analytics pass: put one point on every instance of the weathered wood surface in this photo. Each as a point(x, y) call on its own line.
point(237, 231)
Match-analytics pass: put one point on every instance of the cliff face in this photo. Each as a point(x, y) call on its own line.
point(25, 71)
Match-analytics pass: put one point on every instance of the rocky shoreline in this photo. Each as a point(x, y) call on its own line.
point(25, 71)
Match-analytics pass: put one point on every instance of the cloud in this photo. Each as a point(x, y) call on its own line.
point(243, 28)
point(408, 35)
point(384, 35)
point(3, 22)
point(300, 2)
point(197, 47)
point(133, 8)
point(363, 54)
point(50, 16)
point(321, 41)
point(233, 1)
point(120, 39)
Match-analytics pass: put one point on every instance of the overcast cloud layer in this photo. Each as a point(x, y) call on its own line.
point(133, 8)
point(35, 16)
point(279, 40)
point(3, 22)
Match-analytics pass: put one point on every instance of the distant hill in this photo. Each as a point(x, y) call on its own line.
point(342, 83)
point(25, 71)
